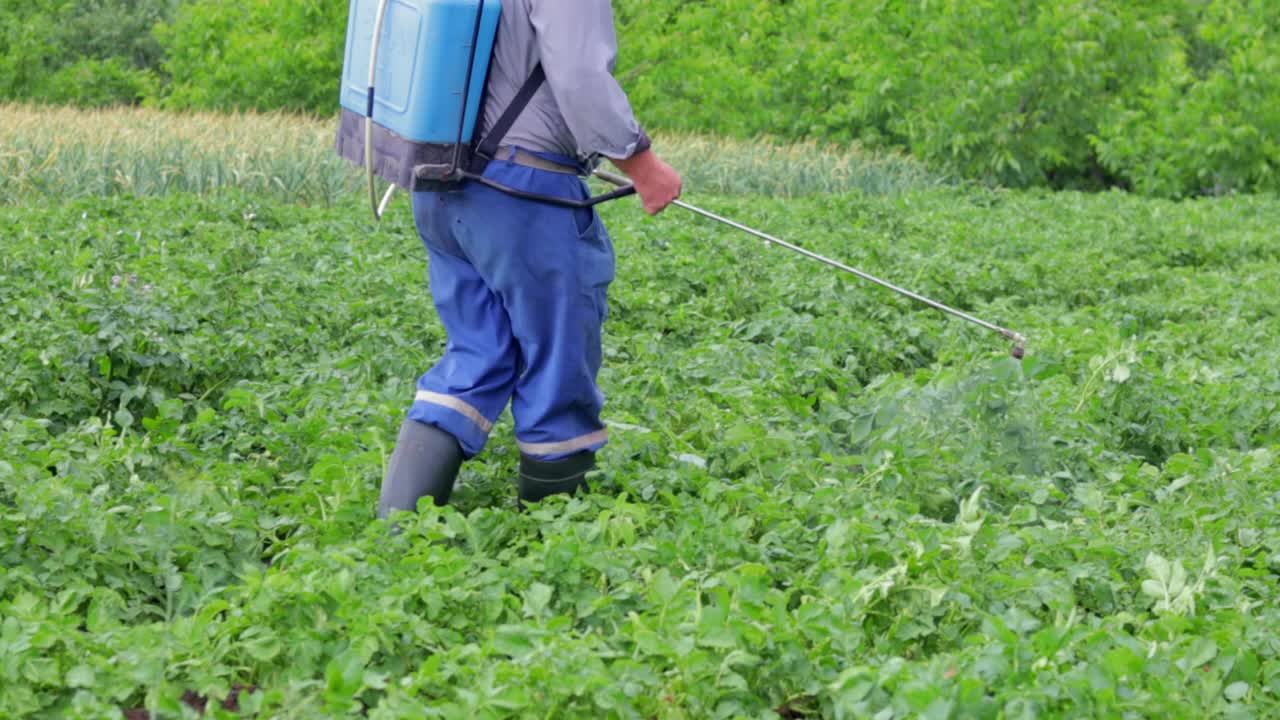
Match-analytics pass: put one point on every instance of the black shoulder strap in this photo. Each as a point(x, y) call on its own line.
point(489, 145)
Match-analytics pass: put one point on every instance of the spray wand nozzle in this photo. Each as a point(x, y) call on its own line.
point(1019, 346)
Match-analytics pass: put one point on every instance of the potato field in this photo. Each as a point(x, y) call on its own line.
point(820, 499)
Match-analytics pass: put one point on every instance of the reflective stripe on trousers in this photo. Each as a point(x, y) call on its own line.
point(521, 289)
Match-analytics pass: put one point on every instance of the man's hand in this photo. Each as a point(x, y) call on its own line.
point(657, 183)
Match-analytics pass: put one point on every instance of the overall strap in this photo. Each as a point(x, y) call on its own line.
point(488, 147)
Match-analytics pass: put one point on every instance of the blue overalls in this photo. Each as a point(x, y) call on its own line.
point(521, 288)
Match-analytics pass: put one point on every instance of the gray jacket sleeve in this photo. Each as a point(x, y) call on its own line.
point(578, 46)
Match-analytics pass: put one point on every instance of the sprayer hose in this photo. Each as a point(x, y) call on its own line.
point(378, 208)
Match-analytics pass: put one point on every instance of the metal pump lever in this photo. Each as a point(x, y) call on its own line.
point(1020, 342)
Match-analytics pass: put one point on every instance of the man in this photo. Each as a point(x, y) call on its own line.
point(521, 285)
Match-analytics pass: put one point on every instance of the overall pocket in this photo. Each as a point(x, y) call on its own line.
point(597, 263)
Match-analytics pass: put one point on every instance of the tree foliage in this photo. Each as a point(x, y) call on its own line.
point(1166, 97)
point(85, 52)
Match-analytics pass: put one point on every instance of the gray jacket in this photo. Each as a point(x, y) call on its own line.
point(580, 111)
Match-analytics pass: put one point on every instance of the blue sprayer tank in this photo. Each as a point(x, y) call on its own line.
point(421, 73)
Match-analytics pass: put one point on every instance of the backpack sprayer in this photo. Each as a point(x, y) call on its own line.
point(432, 82)
point(418, 132)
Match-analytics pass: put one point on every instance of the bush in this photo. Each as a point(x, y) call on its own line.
point(246, 54)
point(100, 83)
point(1171, 97)
point(1006, 92)
point(28, 46)
point(105, 29)
point(80, 52)
point(1211, 123)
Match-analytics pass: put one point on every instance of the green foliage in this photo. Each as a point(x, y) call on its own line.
point(27, 46)
point(106, 29)
point(1210, 124)
point(1007, 92)
point(246, 54)
point(820, 499)
point(81, 52)
point(1169, 97)
point(100, 83)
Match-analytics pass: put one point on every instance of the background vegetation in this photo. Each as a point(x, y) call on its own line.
point(1167, 97)
point(820, 499)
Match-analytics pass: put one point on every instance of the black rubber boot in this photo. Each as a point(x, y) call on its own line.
point(425, 462)
point(540, 478)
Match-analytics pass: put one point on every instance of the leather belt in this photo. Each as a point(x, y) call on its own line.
point(527, 159)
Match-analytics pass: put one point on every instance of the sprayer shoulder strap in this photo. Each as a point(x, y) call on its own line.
point(488, 147)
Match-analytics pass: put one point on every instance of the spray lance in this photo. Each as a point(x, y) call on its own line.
point(1019, 341)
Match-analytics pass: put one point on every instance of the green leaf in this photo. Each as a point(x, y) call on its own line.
point(536, 599)
point(1159, 569)
point(1236, 691)
point(81, 676)
point(1202, 651)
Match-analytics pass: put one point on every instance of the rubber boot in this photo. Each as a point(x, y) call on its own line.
point(425, 462)
point(541, 478)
